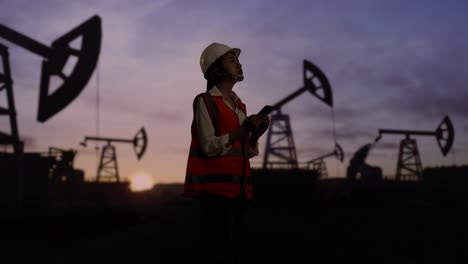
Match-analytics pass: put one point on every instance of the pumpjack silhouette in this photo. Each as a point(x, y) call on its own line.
point(280, 142)
point(409, 166)
point(27, 173)
point(108, 169)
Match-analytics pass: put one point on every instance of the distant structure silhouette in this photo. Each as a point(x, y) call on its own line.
point(409, 166)
point(6, 84)
point(108, 169)
point(63, 170)
point(359, 169)
point(319, 165)
point(56, 58)
point(26, 174)
point(280, 141)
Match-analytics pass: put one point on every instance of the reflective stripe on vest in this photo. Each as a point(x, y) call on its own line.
point(198, 152)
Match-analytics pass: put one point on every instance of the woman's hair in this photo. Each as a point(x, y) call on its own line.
point(214, 74)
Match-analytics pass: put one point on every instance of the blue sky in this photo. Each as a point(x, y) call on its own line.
point(391, 64)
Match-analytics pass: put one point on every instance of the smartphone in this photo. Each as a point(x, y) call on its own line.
point(266, 110)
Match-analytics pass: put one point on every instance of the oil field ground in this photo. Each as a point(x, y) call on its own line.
point(322, 222)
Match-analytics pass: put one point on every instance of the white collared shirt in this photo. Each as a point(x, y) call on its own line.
point(212, 145)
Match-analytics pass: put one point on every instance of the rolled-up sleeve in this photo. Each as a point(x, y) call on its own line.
point(211, 144)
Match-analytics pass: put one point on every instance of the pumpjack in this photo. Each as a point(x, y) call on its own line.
point(27, 172)
point(280, 142)
point(319, 165)
point(56, 57)
point(108, 169)
point(6, 83)
point(409, 165)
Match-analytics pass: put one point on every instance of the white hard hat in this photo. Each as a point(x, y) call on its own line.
point(212, 53)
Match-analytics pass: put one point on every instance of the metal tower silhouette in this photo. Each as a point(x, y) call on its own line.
point(108, 169)
point(6, 83)
point(409, 166)
point(319, 164)
point(52, 101)
point(280, 141)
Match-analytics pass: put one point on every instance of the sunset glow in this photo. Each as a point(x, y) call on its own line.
point(384, 66)
point(141, 181)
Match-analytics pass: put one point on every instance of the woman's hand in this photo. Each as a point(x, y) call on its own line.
point(248, 124)
point(262, 124)
point(256, 122)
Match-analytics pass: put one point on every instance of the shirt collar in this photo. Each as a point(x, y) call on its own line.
point(215, 92)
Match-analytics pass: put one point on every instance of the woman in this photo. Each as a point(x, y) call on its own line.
point(223, 141)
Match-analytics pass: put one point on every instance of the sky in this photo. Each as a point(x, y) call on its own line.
point(391, 64)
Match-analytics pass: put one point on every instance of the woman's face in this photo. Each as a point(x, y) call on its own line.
point(231, 64)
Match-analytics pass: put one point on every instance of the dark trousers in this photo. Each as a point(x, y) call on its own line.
point(224, 222)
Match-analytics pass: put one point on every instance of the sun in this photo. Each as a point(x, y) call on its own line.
point(141, 181)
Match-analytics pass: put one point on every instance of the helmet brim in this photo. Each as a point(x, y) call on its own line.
point(237, 51)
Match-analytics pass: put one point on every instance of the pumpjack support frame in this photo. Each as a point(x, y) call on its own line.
point(280, 142)
point(108, 167)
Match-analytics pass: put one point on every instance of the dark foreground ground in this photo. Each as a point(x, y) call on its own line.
point(321, 222)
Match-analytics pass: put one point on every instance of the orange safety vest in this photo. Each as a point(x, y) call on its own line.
point(220, 175)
